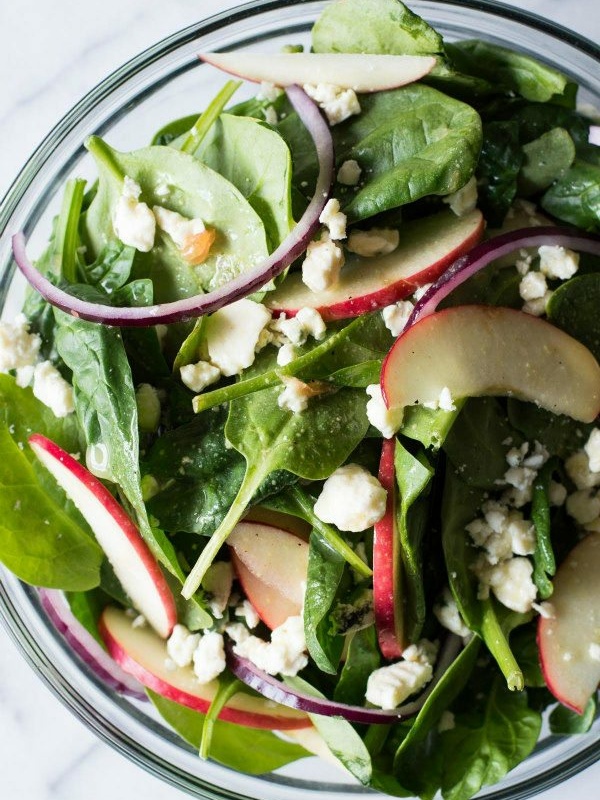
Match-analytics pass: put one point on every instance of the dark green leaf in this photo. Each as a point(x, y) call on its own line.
point(573, 307)
point(361, 660)
point(575, 197)
point(564, 721)
point(545, 160)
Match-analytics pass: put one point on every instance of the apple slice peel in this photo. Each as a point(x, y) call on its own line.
point(133, 563)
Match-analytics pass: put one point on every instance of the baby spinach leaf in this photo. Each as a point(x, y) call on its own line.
point(250, 750)
point(358, 376)
point(39, 541)
point(559, 434)
point(573, 307)
point(174, 129)
point(488, 741)
point(325, 570)
point(564, 721)
point(513, 72)
point(413, 476)
point(111, 270)
point(428, 425)
point(379, 26)
point(498, 169)
point(543, 558)
point(87, 608)
point(362, 658)
point(341, 738)
point(195, 191)
point(545, 159)
point(575, 197)
point(410, 142)
point(524, 645)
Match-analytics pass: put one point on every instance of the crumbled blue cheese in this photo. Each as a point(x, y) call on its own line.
point(232, 334)
point(199, 375)
point(352, 499)
point(181, 645)
point(52, 389)
point(337, 103)
point(295, 395)
point(558, 262)
point(333, 219)
point(592, 450)
point(448, 615)
point(286, 354)
point(533, 286)
point(396, 316)
point(217, 582)
point(270, 116)
point(179, 228)
point(388, 687)
point(134, 222)
point(510, 581)
point(584, 506)
point(18, 348)
point(464, 200)
point(283, 655)
point(209, 657)
point(268, 91)
point(557, 493)
point(444, 402)
point(386, 420)
point(322, 264)
point(247, 612)
point(578, 469)
point(297, 329)
point(349, 173)
point(374, 242)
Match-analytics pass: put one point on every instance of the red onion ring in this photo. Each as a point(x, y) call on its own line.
point(485, 252)
point(274, 689)
point(291, 248)
point(86, 647)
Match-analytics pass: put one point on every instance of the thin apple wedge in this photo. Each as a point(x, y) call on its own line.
point(141, 653)
point(484, 350)
point(361, 72)
point(569, 642)
point(387, 564)
point(130, 556)
point(427, 246)
point(271, 564)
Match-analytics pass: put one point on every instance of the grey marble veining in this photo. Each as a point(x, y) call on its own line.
point(51, 53)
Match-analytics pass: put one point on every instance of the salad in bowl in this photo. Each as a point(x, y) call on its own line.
point(300, 413)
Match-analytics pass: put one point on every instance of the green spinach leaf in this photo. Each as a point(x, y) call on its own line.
point(546, 159)
point(363, 658)
point(575, 197)
point(573, 307)
point(564, 721)
point(498, 169)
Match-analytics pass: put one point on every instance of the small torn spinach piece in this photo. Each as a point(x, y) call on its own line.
point(362, 658)
point(559, 434)
point(575, 197)
point(498, 168)
point(430, 426)
point(545, 160)
point(564, 721)
point(573, 307)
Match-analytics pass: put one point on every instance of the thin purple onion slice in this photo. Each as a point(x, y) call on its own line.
point(485, 252)
point(276, 690)
point(291, 248)
point(86, 647)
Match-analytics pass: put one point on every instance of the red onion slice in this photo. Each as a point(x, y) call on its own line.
point(276, 690)
point(86, 647)
point(485, 252)
point(241, 286)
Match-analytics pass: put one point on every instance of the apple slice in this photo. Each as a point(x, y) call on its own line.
point(141, 653)
point(569, 642)
point(482, 350)
point(358, 71)
point(427, 246)
point(133, 563)
point(271, 564)
point(387, 576)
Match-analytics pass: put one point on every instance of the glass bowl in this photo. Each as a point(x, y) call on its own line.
point(161, 84)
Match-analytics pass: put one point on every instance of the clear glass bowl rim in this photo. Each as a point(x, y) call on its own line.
point(11, 620)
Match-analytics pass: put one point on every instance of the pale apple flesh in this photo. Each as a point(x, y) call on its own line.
point(427, 247)
point(272, 565)
point(483, 350)
point(133, 563)
point(387, 575)
point(569, 642)
point(358, 71)
point(143, 654)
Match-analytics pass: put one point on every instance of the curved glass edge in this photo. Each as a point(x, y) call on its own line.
point(10, 618)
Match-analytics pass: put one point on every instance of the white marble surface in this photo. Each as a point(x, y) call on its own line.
point(51, 53)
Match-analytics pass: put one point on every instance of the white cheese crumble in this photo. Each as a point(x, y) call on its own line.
point(388, 687)
point(444, 402)
point(337, 103)
point(18, 348)
point(181, 645)
point(209, 657)
point(295, 395)
point(322, 264)
point(578, 469)
point(448, 615)
point(386, 420)
point(283, 655)
point(533, 286)
point(270, 116)
point(464, 200)
point(352, 499)
point(333, 219)
point(592, 450)
point(307, 322)
point(179, 228)
point(584, 506)
point(374, 242)
point(594, 651)
point(286, 354)
point(217, 582)
point(199, 375)
point(558, 262)
point(268, 91)
point(134, 222)
point(232, 334)
point(349, 173)
point(247, 612)
point(509, 580)
point(52, 389)
point(557, 493)
point(396, 316)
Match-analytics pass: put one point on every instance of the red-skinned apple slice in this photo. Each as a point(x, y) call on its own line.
point(387, 600)
point(141, 653)
point(483, 350)
point(427, 246)
point(358, 71)
point(133, 563)
point(271, 564)
point(568, 642)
